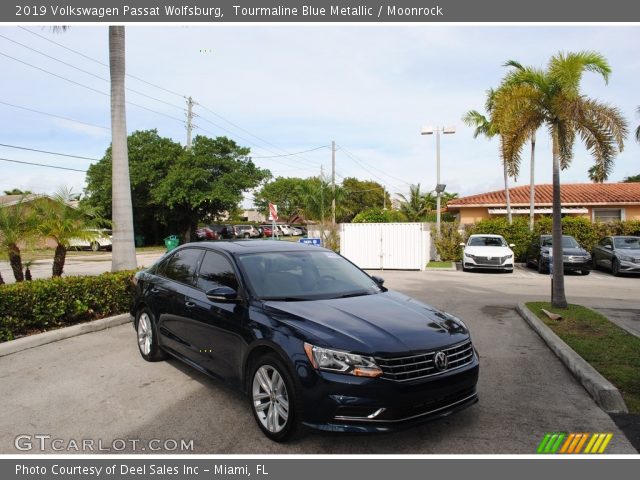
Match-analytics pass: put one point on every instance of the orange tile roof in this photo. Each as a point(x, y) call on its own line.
point(571, 194)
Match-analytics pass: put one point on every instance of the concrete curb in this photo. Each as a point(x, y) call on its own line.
point(603, 392)
point(24, 343)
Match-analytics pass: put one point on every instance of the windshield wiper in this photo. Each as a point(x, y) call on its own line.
point(286, 299)
point(354, 294)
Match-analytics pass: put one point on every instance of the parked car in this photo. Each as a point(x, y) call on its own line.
point(225, 231)
point(487, 251)
point(207, 233)
point(295, 231)
point(97, 239)
point(246, 231)
point(284, 229)
point(308, 336)
point(575, 258)
point(267, 230)
point(619, 254)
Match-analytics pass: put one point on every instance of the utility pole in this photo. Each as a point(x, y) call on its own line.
point(190, 115)
point(333, 182)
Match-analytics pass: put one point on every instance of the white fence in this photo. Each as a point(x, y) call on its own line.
point(400, 246)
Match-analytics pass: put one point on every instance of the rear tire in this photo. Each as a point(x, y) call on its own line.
point(274, 398)
point(147, 336)
point(585, 272)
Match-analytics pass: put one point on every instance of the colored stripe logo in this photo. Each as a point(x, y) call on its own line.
point(562, 442)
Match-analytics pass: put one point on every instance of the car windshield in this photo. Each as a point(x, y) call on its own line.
point(304, 275)
point(487, 242)
point(567, 242)
point(627, 243)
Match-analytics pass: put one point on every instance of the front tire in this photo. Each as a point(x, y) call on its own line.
point(95, 246)
point(274, 399)
point(541, 268)
point(147, 336)
point(615, 267)
point(585, 272)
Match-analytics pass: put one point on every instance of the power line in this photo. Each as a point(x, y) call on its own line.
point(68, 119)
point(42, 165)
point(89, 88)
point(100, 63)
point(296, 153)
point(50, 153)
point(369, 171)
point(88, 72)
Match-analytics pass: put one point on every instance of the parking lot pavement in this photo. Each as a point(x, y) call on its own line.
point(96, 386)
point(86, 264)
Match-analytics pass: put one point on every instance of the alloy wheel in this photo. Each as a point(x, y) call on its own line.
point(270, 399)
point(145, 333)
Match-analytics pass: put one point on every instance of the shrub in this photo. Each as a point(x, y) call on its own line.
point(378, 215)
point(47, 304)
point(448, 244)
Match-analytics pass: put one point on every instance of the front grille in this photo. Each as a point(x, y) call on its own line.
point(573, 259)
point(422, 365)
point(489, 260)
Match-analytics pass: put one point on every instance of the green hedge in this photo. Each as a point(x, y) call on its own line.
point(40, 305)
point(586, 233)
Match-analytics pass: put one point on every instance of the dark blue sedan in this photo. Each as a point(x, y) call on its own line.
point(310, 337)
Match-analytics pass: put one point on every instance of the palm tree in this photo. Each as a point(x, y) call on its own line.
point(532, 98)
point(532, 184)
point(597, 175)
point(124, 252)
point(638, 129)
point(416, 206)
point(17, 226)
point(489, 128)
point(60, 221)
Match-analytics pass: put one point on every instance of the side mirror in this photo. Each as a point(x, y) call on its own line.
point(379, 280)
point(608, 247)
point(512, 245)
point(222, 294)
point(461, 244)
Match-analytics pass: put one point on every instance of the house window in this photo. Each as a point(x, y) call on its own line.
point(606, 215)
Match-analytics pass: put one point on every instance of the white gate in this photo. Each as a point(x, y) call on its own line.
point(400, 246)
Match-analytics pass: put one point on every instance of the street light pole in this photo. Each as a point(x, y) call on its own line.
point(439, 186)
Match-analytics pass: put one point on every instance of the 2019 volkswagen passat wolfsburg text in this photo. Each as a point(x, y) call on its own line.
point(307, 335)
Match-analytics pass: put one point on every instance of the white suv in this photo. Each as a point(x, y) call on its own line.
point(247, 231)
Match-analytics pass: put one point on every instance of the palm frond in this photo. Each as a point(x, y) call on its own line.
point(638, 129)
point(566, 69)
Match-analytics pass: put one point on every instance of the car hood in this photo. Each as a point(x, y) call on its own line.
point(629, 252)
point(567, 251)
point(378, 324)
point(488, 251)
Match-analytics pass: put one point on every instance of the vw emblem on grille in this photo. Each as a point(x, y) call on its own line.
point(489, 258)
point(440, 361)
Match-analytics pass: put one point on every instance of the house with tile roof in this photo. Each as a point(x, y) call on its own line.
point(600, 202)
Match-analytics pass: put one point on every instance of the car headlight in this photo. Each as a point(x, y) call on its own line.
point(341, 362)
point(455, 319)
point(625, 258)
point(469, 255)
point(509, 256)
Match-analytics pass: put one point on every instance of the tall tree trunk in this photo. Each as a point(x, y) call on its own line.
point(506, 193)
point(558, 298)
point(123, 250)
point(532, 183)
point(59, 258)
point(15, 260)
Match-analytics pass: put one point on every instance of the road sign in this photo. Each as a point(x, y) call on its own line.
point(311, 241)
point(273, 212)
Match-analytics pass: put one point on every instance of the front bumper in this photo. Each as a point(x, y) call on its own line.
point(470, 263)
point(629, 266)
point(571, 266)
point(346, 403)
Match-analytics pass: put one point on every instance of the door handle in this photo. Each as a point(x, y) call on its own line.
point(189, 304)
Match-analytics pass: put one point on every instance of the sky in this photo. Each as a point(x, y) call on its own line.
point(286, 89)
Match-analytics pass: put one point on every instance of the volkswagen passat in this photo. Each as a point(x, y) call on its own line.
point(487, 251)
point(311, 338)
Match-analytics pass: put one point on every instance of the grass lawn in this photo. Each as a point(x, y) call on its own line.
point(439, 265)
point(609, 349)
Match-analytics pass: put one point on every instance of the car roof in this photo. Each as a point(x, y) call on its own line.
point(253, 246)
point(486, 235)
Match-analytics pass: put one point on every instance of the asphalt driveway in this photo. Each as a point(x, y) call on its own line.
point(96, 386)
